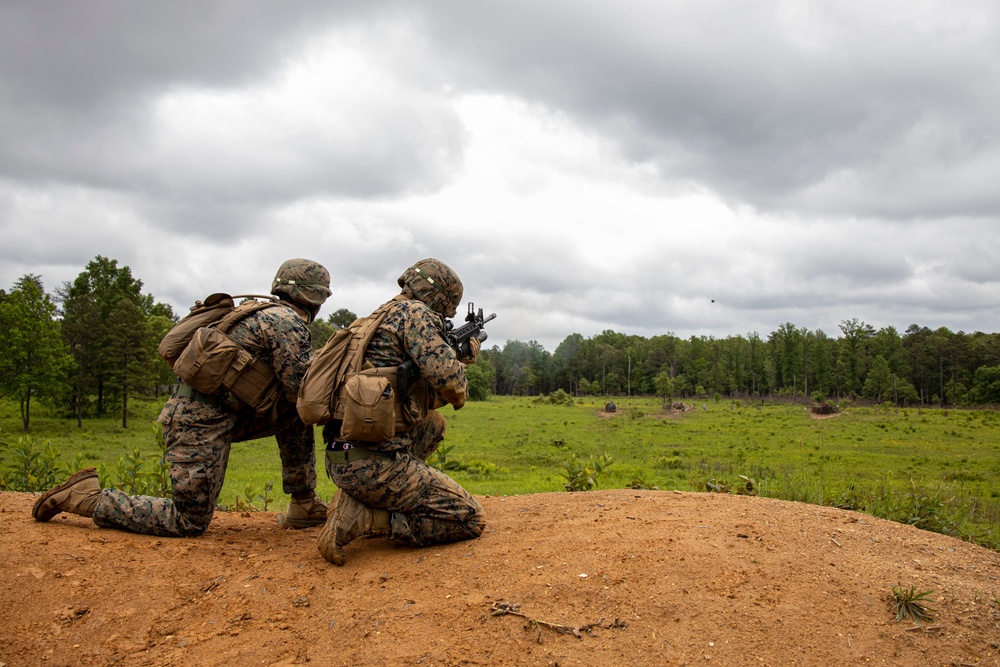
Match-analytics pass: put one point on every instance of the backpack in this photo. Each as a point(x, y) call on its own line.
point(203, 314)
point(337, 387)
point(204, 357)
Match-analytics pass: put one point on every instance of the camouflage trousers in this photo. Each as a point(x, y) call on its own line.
point(427, 506)
point(198, 438)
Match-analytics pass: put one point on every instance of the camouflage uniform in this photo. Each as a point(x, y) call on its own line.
point(199, 434)
point(427, 506)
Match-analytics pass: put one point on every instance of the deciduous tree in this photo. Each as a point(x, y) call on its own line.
point(34, 357)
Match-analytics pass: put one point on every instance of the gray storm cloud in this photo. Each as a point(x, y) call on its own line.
point(849, 151)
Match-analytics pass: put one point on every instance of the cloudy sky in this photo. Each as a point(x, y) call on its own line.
point(649, 166)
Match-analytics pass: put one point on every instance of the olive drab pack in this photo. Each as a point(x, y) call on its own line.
point(339, 387)
point(204, 357)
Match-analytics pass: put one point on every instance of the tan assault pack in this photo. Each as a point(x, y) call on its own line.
point(204, 357)
point(364, 400)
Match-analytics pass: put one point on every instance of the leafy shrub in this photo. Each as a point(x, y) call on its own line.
point(669, 463)
point(558, 397)
point(439, 459)
point(149, 476)
point(31, 469)
point(481, 468)
point(636, 413)
point(584, 476)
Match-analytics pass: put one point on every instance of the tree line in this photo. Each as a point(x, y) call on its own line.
point(921, 366)
point(90, 346)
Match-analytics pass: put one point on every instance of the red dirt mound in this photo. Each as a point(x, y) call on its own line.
point(600, 578)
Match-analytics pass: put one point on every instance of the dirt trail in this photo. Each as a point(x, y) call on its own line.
point(600, 578)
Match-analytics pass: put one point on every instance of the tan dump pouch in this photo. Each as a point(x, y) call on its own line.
point(203, 364)
point(212, 360)
point(348, 407)
point(369, 408)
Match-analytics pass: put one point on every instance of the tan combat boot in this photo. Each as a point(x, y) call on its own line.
point(350, 519)
point(77, 495)
point(304, 513)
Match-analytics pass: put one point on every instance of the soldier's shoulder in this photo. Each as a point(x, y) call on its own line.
point(411, 307)
point(279, 315)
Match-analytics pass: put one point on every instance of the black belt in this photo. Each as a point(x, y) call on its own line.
point(345, 452)
point(187, 391)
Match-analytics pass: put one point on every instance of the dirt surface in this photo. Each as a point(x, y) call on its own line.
point(600, 578)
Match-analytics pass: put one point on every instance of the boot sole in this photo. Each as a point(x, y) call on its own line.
point(73, 479)
point(331, 552)
point(327, 543)
point(296, 524)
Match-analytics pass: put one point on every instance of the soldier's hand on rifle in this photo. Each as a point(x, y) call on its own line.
point(474, 345)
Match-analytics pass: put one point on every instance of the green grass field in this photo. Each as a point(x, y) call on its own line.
point(937, 469)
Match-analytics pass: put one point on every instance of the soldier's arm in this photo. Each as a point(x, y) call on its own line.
point(291, 350)
point(423, 341)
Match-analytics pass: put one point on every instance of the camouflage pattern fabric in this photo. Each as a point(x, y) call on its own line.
point(427, 506)
point(199, 437)
point(411, 330)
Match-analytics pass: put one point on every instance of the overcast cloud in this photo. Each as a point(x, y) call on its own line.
point(647, 166)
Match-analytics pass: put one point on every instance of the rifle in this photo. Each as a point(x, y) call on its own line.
point(407, 373)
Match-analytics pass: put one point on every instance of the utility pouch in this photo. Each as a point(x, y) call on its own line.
point(203, 364)
point(369, 407)
point(212, 360)
point(252, 382)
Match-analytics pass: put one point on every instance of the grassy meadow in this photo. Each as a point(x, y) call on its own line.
point(937, 469)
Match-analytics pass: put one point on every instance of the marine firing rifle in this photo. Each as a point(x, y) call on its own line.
point(408, 372)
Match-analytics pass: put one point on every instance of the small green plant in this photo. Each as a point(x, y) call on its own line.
point(139, 475)
point(584, 476)
point(908, 603)
point(31, 469)
point(128, 475)
point(439, 459)
point(266, 497)
point(245, 502)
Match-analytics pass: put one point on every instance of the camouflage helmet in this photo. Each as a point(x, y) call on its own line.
point(303, 282)
point(433, 282)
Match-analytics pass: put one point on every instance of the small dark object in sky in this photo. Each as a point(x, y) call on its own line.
point(713, 300)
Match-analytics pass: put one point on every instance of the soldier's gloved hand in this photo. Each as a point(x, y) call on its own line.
point(474, 345)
